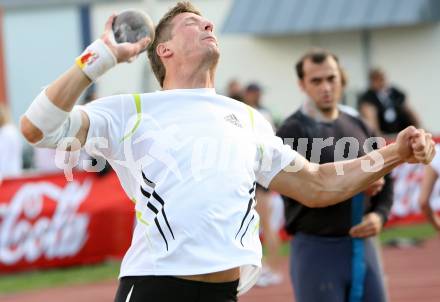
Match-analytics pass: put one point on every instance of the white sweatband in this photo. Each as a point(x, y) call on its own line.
point(54, 122)
point(68, 129)
point(96, 60)
point(45, 115)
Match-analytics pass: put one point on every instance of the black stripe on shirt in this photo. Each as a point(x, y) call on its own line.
point(247, 227)
point(152, 208)
point(245, 215)
point(161, 232)
point(158, 198)
point(147, 181)
point(145, 193)
point(166, 221)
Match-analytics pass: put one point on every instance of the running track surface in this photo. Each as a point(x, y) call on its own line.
point(413, 274)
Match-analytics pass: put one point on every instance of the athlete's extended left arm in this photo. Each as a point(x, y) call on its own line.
point(323, 185)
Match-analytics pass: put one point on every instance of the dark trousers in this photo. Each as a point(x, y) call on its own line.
point(321, 269)
point(172, 289)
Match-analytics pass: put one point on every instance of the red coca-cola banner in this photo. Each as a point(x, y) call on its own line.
point(48, 222)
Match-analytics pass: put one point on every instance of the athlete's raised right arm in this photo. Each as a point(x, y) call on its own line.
point(50, 117)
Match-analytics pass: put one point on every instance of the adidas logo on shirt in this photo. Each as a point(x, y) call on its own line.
point(233, 120)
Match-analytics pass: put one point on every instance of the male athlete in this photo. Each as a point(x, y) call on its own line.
point(190, 160)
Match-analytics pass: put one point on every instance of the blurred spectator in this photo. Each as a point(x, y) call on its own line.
point(270, 276)
point(385, 107)
point(329, 241)
point(234, 90)
point(431, 175)
point(10, 146)
point(252, 97)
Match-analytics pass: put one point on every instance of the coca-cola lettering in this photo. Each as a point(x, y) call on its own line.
point(27, 235)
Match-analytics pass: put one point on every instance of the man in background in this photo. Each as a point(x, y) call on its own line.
point(321, 251)
point(234, 90)
point(385, 107)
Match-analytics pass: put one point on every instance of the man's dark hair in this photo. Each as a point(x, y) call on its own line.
point(317, 56)
point(163, 34)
